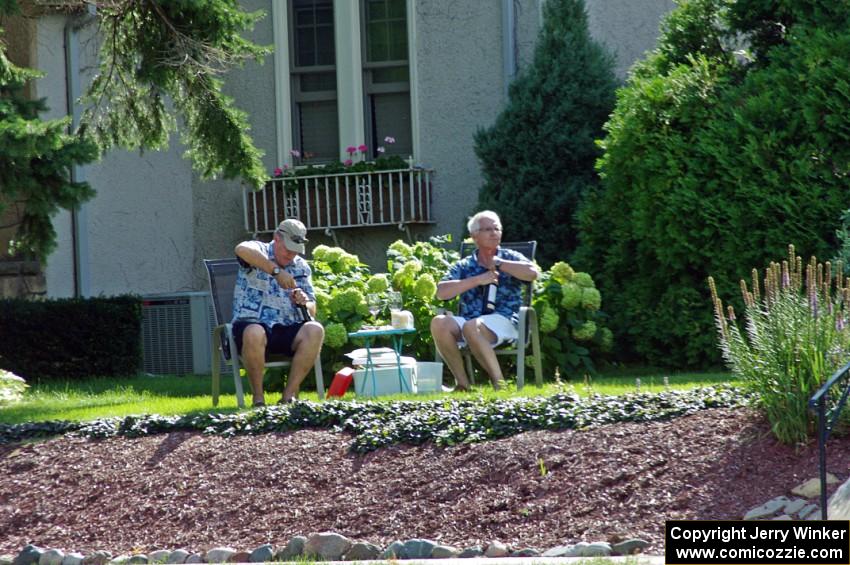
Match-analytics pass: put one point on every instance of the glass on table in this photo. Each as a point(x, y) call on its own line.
point(374, 303)
point(394, 301)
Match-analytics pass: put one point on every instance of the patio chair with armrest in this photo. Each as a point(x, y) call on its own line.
point(222, 277)
point(527, 328)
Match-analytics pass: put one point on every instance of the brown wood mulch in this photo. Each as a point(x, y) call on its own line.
point(537, 489)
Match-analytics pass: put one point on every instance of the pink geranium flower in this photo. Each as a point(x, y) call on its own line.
point(347, 162)
point(278, 172)
point(362, 148)
point(351, 150)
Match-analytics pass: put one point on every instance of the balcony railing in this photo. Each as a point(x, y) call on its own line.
point(347, 200)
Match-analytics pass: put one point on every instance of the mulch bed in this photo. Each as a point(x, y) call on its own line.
point(537, 489)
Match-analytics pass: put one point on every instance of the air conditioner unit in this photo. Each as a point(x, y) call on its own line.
point(176, 330)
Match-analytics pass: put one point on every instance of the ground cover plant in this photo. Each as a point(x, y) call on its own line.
point(795, 337)
point(190, 394)
point(729, 141)
point(381, 424)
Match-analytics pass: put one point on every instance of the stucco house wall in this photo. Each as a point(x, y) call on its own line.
point(153, 219)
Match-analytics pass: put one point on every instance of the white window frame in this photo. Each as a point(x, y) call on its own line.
point(349, 75)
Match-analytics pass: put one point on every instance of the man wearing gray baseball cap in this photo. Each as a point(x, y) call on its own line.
point(273, 306)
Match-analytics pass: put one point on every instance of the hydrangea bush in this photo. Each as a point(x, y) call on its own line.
point(571, 323)
point(567, 303)
point(12, 387)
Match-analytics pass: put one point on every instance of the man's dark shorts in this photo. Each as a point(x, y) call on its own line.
point(278, 339)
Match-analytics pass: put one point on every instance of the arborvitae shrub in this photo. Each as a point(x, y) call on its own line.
point(727, 143)
point(537, 159)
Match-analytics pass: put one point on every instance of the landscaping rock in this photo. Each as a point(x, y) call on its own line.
point(525, 552)
point(577, 550)
point(418, 548)
point(29, 555)
point(194, 558)
point(794, 506)
point(444, 552)
point(178, 556)
point(769, 508)
point(474, 551)
point(782, 517)
point(51, 557)
point(239, 557)
point(811, 488)
point(327, 545)
point(597, 549)
point(6, 559)
point(293, 549)
point(629, 546)
point(496, 549)
point(394, 551)
point(99, 557)
point(362, 551)
point(838, 506)
point(73, 559)
point(262, 554)
point(219, 554)
point(121, 559)
point(806, 511)
point(158, 556)
point(558, 551)
point(138, 559)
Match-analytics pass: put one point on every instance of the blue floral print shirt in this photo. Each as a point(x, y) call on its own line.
point(258, 298)
point(508, 297)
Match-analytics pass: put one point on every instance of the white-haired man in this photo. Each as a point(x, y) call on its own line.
point(469, 278)
point(273, 281)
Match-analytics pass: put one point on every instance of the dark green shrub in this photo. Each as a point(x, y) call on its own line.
point(716, 157)
point(537, 159)
point(71, 338)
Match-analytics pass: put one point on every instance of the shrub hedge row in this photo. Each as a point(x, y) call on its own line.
point(71, 338)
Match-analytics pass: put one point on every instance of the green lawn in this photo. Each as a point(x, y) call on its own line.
point(100, 398)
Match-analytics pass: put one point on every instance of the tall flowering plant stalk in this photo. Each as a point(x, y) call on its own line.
point(794, 337)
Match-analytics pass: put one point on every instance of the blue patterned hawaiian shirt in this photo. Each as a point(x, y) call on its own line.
point(257, 296)
point(508, 297)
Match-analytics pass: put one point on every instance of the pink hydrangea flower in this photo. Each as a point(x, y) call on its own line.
point(389, 139)
point(347, 162)
point(381, 149)
point(351, 150)
point(362, 148)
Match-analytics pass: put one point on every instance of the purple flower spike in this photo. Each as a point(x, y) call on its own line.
point(840, 323)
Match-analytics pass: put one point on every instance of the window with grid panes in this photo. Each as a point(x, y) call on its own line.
point(386, 76)
point(315, 126)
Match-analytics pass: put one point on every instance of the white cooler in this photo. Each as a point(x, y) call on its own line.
point(386, 379)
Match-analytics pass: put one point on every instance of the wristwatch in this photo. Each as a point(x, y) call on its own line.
point(497, 263)
point(275, 271)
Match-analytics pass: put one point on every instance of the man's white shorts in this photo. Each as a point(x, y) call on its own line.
point(503, 328)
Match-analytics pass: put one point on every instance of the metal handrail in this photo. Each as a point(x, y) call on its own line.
point(818, 404)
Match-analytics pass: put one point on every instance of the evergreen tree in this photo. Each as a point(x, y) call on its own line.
point(35, 158)
point(160, 63)
point(538, 158)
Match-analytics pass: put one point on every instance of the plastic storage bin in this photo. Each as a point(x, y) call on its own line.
point(429, 377)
